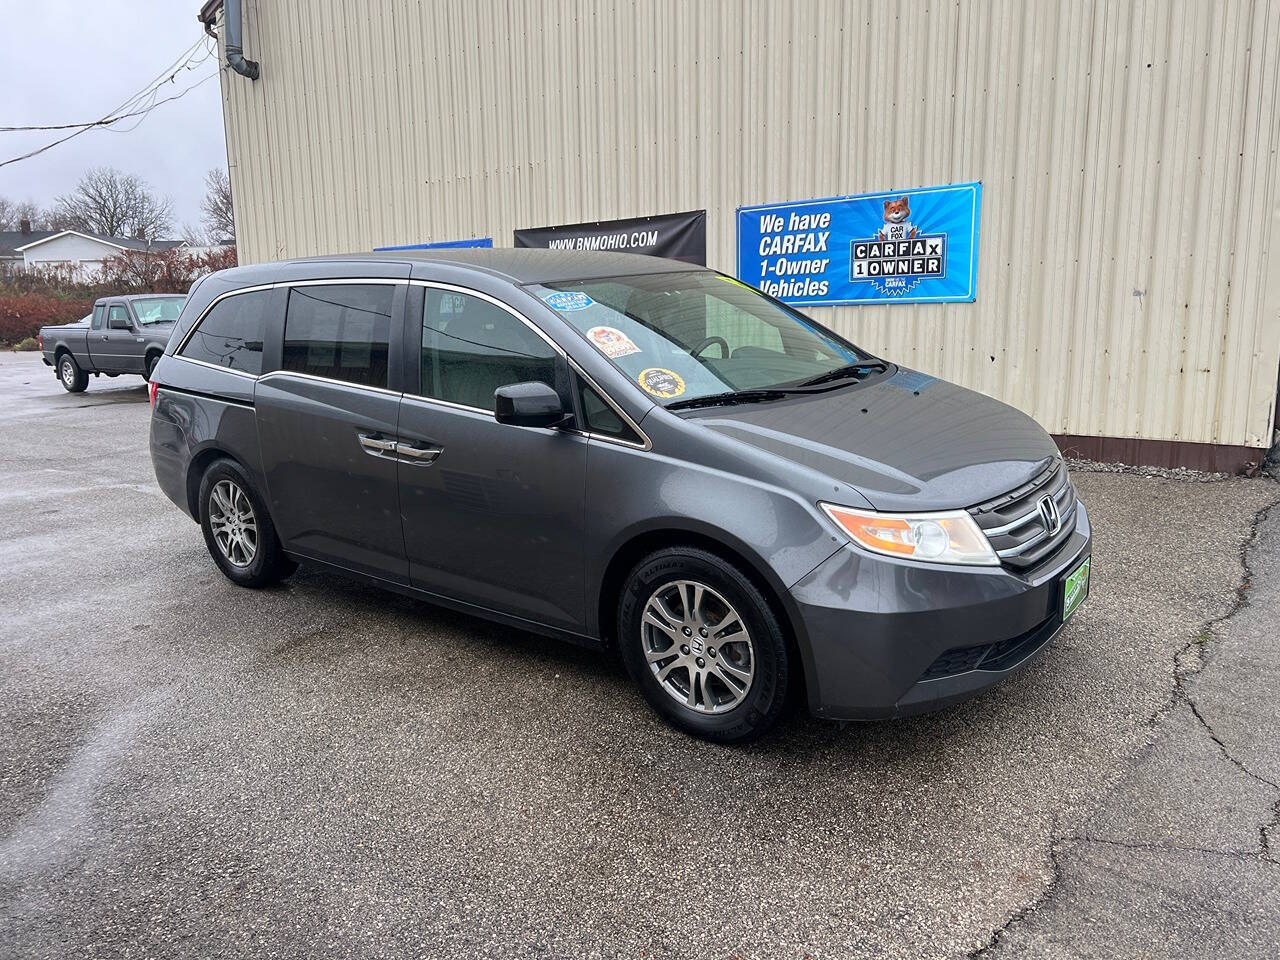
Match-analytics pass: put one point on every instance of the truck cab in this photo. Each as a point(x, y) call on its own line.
point(125, 334)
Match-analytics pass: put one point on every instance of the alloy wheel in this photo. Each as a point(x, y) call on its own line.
point(234, 525)
point(697, 646)
point(68, 370)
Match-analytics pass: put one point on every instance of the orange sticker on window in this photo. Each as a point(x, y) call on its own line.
point(661, 383)
point(612, 342)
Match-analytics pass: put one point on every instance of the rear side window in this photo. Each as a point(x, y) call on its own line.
point(99, 312)
point(339, 331)
point(231, 333)
point(471, 347)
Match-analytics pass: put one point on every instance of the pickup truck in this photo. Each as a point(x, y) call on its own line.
point(122, 335)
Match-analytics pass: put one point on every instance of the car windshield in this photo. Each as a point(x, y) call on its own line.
point(158, 309)
point(683, 336)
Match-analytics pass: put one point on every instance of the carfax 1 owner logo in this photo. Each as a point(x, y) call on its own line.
point(904, 246)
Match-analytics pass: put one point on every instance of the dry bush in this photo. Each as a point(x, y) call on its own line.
point(50, 295)
point(23, 314)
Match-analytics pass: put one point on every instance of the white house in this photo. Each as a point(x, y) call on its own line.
point(84, 253)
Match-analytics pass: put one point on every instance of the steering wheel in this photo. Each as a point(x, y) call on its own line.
point(708, 341)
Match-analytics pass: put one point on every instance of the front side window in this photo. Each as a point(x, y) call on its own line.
point(158, 309)
point(681, 336)
point(117, 317)
point(231, 333)
point(339, 331)
point(471, 347)
point(601, 418)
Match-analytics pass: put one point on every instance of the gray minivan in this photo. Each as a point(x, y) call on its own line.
point(623, 451)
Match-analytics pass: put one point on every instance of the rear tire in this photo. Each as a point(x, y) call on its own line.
point(238, 530)
point(72, 378)
point(704, 646)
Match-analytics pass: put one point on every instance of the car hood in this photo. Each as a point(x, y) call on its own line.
point(905, 441)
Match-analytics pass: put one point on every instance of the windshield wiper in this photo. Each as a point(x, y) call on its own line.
point(841, 373)
point(729, 397)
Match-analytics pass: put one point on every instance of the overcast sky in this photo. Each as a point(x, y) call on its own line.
point(72, 61)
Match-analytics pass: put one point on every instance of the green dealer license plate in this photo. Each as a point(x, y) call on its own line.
point(1074, 589)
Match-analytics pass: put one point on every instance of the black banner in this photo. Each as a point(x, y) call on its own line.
point(680, 236)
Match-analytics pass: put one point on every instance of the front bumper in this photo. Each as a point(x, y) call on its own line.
point(884, 638)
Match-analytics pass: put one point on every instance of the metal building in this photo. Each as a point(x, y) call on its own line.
point(1129, 268)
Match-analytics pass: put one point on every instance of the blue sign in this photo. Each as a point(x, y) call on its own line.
point(906, 246)
point(441, 245)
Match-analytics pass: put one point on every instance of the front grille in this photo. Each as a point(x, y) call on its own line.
point(1015, 525)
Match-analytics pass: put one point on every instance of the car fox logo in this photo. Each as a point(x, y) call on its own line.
point(896, 226)
point(900, 254)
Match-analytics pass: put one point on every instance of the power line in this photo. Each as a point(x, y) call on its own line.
point(126, 109)
point(122, 116)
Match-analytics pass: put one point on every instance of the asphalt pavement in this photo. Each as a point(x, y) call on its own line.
point(188, 769)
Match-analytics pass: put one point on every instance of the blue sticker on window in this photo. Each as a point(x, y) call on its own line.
point(566, 301)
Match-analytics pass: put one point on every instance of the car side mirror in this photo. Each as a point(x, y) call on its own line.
point(528, 405)
point(118, 324)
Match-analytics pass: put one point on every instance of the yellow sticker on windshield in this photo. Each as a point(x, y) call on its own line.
point(661, 382)
point(734, 280)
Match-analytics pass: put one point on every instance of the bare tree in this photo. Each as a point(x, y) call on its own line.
point(219, 218)
point(195, 235)
point(26, 210)
point(116, 204)
point(52, 218)
point(12, 214)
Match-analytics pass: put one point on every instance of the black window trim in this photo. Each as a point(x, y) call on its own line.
point(334, 282)
point(182, 344)
point(560, 352)
point(177, 351)
point(647, 444)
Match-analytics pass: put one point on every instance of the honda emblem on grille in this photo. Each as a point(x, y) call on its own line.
point(1048, 508)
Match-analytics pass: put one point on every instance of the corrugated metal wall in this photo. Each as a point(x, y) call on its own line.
point(1129, 283)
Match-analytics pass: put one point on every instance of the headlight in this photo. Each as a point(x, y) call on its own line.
point(950, 537)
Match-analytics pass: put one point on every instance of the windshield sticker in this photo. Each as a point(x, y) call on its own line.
point(566, 301)
point(661, 383)
point(612, 342)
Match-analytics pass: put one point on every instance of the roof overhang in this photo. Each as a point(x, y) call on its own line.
point(208, 14)
point(71, 233)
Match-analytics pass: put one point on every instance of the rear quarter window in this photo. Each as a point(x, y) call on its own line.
point(230, 335)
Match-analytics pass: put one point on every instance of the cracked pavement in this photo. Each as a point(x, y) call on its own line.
point(188, 769)
point(1180, 859)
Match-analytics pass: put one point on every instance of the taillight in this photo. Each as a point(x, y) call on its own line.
point(40, 341)
point(152, 387)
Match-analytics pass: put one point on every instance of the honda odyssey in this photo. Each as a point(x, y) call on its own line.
point(625, 452)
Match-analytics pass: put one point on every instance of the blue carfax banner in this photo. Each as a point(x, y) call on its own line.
point(905, 246)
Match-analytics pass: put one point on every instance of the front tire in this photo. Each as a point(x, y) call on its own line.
point(238, 530)
point(149, 364)
point(72, 378)
point(704, 646)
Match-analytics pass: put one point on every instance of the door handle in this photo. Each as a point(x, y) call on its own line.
point(420, 454)
point(377, 445)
